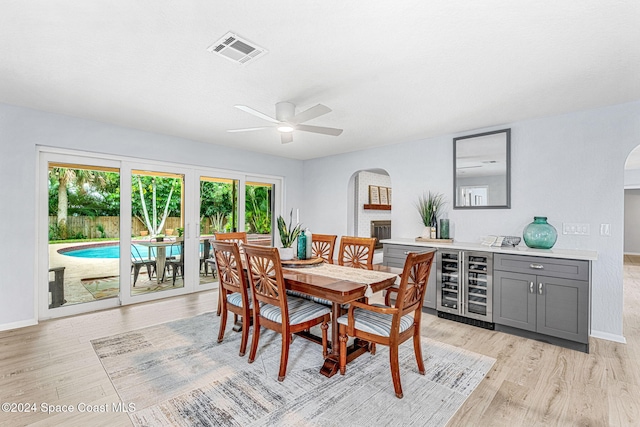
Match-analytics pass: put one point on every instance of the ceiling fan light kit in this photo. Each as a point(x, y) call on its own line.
point(287, 121)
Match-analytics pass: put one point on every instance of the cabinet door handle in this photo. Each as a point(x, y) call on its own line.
point(407, 252)
point(537, 266)
point(540, 288)
point(530, 287)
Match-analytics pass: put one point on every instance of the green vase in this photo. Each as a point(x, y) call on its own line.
point(540, 234)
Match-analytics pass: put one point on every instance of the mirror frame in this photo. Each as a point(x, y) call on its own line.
point(507, 136)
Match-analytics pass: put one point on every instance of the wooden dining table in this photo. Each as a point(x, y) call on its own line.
point(339, 292)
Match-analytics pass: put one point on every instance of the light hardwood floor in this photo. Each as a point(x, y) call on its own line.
point(531, 384)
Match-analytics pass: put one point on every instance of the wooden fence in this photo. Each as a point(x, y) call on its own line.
point(88, 226)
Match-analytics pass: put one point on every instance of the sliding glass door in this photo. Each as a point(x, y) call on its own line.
point(79, 235)
point(118, 231)
point(259, 220)
point(219, 213)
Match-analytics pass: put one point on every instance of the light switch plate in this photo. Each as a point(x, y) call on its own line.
point(578, 229)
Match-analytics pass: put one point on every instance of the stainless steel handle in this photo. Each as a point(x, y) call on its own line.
point(540, 288)
point(530, 287)
point(537, 266)
point(407, 252)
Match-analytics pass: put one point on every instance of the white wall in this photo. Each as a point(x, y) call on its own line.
point(21, 130)
point(569, 168)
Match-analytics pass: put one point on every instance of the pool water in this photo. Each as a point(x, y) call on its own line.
point(113, 251)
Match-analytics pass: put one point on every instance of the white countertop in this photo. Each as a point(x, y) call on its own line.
point(518, 250)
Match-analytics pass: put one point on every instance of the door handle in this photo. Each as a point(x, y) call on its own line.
point(530, 287)
point(540, 288)
point(536, 266)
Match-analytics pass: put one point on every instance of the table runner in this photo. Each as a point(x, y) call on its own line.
point(357, 275)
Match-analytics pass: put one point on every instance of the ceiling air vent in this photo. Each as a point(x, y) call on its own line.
point(236, 49)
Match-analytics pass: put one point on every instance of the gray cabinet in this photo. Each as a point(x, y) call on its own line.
point(395, 256)
point(545, 296)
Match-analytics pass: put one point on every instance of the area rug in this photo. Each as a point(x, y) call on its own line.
point(109, 287)
point(102, 287)
point(177, 374)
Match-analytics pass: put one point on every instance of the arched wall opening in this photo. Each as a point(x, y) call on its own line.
point(369, 203)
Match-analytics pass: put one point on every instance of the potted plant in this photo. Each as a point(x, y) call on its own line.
point(430, 206)
point(288, 235)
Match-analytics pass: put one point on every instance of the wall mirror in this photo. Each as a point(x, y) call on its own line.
point(481, 170)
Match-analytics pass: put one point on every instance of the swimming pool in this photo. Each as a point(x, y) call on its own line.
point(110, 250)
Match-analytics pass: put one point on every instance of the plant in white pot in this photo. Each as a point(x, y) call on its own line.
point(430, 206)
point(288, 236)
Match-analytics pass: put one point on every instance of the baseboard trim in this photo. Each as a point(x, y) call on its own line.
point(608, 336)
point(17, 325)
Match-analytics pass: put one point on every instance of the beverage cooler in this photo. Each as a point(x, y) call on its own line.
point(464, 285)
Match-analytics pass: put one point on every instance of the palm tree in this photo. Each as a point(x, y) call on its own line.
point(80, 180)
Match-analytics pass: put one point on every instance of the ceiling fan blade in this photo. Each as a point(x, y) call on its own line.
point(319, 129)
point(248, 129)
point(309, 114)
point(256, 113)
point(286, 137)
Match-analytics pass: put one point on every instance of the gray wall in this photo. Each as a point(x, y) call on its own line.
point(569, 168)
point(23, 129)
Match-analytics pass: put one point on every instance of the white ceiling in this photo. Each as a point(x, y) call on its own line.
point(392, 71)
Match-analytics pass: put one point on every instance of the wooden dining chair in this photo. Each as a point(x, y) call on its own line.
point(357, 252)
point(239, 237)
point(391, 326)
point(274, 309)
point(322, 246)
point(233, 288)
point(392, 291)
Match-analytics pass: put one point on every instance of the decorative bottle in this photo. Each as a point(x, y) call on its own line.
point(307, 235)
point(302, 246)
point(540, 234)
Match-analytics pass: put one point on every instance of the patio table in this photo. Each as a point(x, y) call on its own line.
point(161, 255)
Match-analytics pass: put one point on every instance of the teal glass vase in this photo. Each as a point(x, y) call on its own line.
point(540, 234)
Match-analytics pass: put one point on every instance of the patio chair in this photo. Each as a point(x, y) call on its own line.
point(176, 264)
point(137, 262)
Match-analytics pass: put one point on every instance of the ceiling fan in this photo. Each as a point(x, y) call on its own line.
point(287, 121)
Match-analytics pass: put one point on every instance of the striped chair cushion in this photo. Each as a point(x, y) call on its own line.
point(236, 299)
point(300, 310)
point(309, 297)
point(375, 323)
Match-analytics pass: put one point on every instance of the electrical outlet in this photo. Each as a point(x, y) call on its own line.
point(605, 229)
point(578, 229)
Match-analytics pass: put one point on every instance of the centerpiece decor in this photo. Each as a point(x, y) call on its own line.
point(429, 207)
point(288, 235)
point(540, 234)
